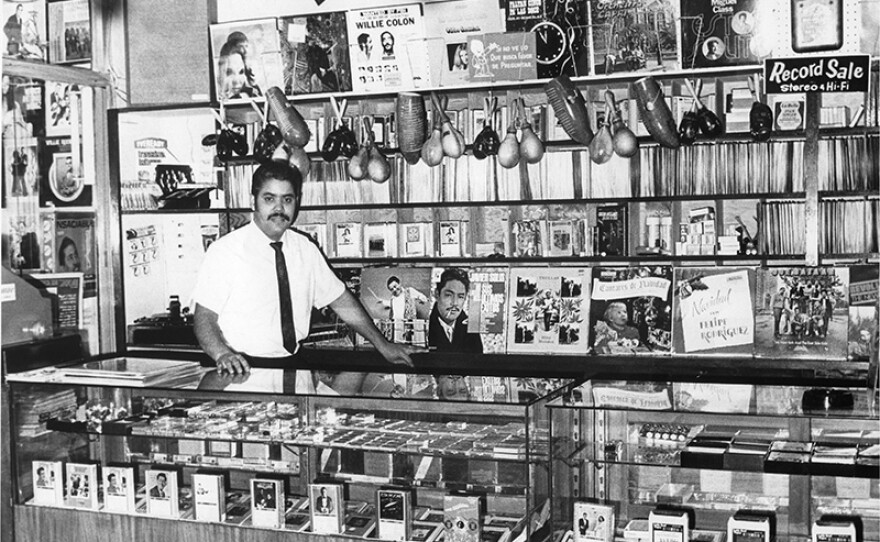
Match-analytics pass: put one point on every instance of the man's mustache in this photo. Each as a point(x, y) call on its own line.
point(279, 215)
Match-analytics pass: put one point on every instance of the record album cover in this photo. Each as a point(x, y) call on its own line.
point(712, 310)
point(713, 36)
point(802, 312)
point(24, 32)
point(247, 59)
point(400, 301)
point(863, 294)
point(449, 327)
point(315, 51)
point(486, 307)
point(631, 310)
point(548, 310)
point(634, 36)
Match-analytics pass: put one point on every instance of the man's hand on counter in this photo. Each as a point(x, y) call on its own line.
point(399, 354)
point(233, 363)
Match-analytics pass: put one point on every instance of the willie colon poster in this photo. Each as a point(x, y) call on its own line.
point(378, 42)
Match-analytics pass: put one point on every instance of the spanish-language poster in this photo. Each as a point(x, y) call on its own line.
point(378, 41)
point(713, 310)
point(76, 248)
point(447, 28)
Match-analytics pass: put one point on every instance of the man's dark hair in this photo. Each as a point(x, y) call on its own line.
point(362, 38)
point(391, 279)
point(280, 171)
point(454, 273)
point(162, 476)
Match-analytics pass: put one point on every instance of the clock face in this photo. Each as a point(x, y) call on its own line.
point(551, 41)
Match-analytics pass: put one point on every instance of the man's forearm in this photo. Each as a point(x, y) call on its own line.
point(208, 333)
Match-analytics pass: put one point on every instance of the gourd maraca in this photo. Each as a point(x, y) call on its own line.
point(266, 142)
point(357, 164)
point(432, 148)
point(625, 142)
point(378, 168)
point(688, 127)
point(486, 143)
point(708, 121)
point(508, 151)
point(451, 139)
point(655, 113)
point(760, 116)
point(602, 145)
point(299, 159)
point(293, 127)
point(531, 148)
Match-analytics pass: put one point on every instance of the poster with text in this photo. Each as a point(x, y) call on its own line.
point(548, 310)
point(862, 340)
point(712, 311)
point(378, 46)
point(76, 248)
point(68, 304)
point(502, 57)
point(450, 28)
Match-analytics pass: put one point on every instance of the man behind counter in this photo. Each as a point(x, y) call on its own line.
point(238, 314)
point(448, 324)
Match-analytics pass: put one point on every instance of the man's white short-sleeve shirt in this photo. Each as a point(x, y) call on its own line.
point(237, 281)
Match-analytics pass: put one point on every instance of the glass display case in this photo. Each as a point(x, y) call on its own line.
point(797, 452)
point(425, 436)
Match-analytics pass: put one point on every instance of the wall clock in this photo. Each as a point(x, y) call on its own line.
point(551, 42)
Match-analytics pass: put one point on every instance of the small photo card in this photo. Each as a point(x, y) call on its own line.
point(209, 496)
point(162, 497)
point(267, 503)
point(395, 514)
point(119, 489)
point(48, 485)
point(327, 508)
point(593, 522)
point(82, 485)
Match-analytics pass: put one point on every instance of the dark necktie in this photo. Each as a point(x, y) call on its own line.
point(288, 332)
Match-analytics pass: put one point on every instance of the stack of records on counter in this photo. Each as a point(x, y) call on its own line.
point(130, 371)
